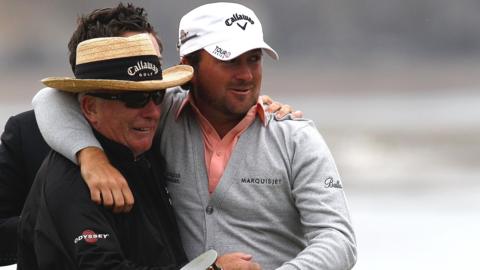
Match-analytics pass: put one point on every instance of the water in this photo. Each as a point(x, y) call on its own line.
point(436, 229)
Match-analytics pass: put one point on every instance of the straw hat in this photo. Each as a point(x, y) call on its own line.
point(120, 64)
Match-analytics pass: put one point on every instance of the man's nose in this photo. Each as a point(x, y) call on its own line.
point(244, 72)
point(151, 110)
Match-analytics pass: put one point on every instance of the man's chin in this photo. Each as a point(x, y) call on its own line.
point(239, 111)
point(141, 147)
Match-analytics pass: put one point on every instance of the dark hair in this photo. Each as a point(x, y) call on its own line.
point(193, 59)
point(109, 22)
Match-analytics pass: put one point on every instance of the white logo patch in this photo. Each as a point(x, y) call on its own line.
point(90, 237)
point(146, 69)
point(221, 52)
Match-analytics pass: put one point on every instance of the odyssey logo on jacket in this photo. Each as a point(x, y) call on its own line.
point(90, 237)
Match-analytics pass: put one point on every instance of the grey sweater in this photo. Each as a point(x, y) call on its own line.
point(279, 199)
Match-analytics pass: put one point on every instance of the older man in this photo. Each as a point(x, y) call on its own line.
point(22, 148)
point(120, 85)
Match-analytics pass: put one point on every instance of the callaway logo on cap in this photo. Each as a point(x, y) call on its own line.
point(225, 30)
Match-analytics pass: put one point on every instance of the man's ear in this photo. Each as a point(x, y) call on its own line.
point(88, 105)
point(189, 84)
point(184, 61)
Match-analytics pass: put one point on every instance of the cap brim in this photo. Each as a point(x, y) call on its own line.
point(230, 49)
point(173, 76)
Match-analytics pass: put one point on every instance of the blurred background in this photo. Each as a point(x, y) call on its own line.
point(393, 86)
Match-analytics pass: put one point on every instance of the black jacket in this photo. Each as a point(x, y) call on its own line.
point(61, 228)
point(22, 151)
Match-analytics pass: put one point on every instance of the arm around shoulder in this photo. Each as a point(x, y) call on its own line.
point(61, 122)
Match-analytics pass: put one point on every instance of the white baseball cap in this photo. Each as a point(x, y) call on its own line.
point(225, 30)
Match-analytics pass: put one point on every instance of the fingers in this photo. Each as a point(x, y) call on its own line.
point(281, 110)
point(99, 193)
point(266, 100)
point(107, 198)
point(116, 193)
point(284, 110)
point(95, 195)
point(274, 107)
point(118, 197)
point(297, 114)
point(255, 266)
point(128, 198)
point(107, 185)
point(118, 201)
point(237, 261)
point(242, 256)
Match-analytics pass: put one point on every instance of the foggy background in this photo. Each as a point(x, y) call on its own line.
point(393, 86)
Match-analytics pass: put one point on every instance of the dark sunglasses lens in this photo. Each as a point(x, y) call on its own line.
point(134, 100)
point(158, 96)
point(139, 100)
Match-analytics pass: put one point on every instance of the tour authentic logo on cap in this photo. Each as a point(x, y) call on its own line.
point(225, 30)
point(120, 64)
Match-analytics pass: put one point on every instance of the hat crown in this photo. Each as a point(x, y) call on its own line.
point(107, 48)
point(130, 58)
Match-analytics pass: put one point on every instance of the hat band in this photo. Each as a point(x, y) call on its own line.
point(136, 68)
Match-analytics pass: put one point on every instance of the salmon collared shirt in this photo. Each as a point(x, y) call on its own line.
point(218, 150)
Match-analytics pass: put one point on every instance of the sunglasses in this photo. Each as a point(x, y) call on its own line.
point(134, 100)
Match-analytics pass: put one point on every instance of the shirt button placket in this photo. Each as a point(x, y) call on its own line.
point(210, 227)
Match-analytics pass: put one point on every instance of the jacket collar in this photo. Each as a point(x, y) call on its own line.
point(116, 152)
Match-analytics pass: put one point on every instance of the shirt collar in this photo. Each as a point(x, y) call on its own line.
point(189, 101)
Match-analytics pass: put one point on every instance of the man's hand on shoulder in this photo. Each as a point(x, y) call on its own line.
point(107, 185)
point(281, 110)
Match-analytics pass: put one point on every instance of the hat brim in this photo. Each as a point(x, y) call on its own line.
point(236, 47)
point(173, 76)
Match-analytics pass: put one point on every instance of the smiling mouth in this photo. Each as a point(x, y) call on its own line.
point(142, 129)
point(241, 89)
